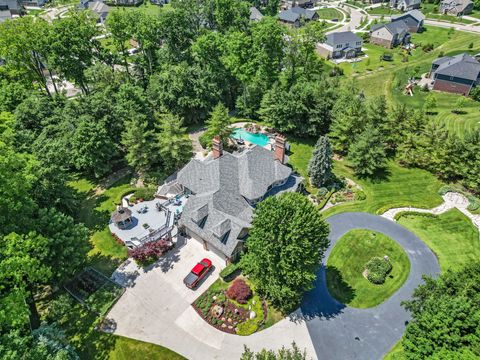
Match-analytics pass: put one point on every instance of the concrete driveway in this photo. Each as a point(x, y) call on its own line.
point(156, 308)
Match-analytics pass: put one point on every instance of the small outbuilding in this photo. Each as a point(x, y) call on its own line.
point(122, 217)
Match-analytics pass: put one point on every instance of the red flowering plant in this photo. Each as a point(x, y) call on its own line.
point(150, 252)
point(239, 291)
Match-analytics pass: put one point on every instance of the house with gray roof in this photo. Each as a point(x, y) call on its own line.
point(405, 5)
point(413, 19)
point(294, 16)
point(456, 74)
point(98, 7)
point(255, 14)
point(390, 35)
point(12, 6)
point(456, 7)
point(342, 44)
point(224, 189)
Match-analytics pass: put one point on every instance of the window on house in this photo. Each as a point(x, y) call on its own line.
point(202, 222)
point(224, 238)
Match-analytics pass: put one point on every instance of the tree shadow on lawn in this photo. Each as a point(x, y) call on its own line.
point(379, 176)
point(318, 302)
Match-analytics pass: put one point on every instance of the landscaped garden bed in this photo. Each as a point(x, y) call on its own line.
point(233, 307)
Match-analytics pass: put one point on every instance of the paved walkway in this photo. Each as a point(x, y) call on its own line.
point(340, 332)
point(451, 200)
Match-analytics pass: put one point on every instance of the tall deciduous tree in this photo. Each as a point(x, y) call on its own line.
point(174, 145)
point(446, 317)
point(367, 154)
point(282, 257)
point(320, 165)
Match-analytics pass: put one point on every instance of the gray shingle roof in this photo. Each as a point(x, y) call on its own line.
point(395, 28)
point(289, 16)
point(255, 14)
point(221, 187)
point(416, 14)
point(306, 13)
point(342, 38)
point(462, 66)
point(458, 5)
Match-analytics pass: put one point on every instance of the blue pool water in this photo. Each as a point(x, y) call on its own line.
point(257, 139)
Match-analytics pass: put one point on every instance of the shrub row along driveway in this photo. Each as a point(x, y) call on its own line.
point(340, 332)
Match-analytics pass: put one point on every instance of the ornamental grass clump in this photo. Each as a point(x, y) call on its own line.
point(377, 270)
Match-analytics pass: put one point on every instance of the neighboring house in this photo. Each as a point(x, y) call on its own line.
point(12, 6)
point(338, 45)
point(413, 19)
point(294, 15)
point(225, 188)
point(390, 35)
point(33, 3)
point(456, 7)
point(99, 8)
point(455, 74)
point(255, 14)
point(405, 5)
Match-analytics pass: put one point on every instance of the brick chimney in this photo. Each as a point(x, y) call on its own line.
point(280, 148)
point(217, 147)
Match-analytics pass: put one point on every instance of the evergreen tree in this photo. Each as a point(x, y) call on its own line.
point(320, 165)
point(367, 154)
point(136, 140)
point(174, 145)
point(430, 103)
point(349, 118)
point(218, 124)
point(282, 257)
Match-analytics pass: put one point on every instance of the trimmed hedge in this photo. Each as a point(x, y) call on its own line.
point(378, 270)
point(230, 271)
point(416, 213)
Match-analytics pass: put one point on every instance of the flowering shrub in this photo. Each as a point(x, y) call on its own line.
point(239, 291)
point(150, 251)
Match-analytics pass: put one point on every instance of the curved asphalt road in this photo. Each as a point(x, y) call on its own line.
point(341, 332)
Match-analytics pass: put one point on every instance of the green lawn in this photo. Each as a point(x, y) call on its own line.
point(451, 236)
point(383, 10)
point(395, 353)
point(347, 261)
point(330, 13)
point(146, 7)
point(390, 81)
point(399, 187)
point(129, 349)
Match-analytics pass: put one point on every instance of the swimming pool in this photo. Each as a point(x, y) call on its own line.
point(257, 139)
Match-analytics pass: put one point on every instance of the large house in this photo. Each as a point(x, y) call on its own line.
point(456, 7)
point(9, 9)
point(405, 5)
point(98, 7)
point(455, 74)
point(344, 44)
point(224, 190)
point(390, 35)
point(413, 19)
point(294, 16)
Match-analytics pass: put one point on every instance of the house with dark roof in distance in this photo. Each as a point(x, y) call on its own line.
point(255, 14)
point(343, 44)
point(456, 7)
point(456, 74)
point(413, 19)
point(294, 16)
point(224, 189)
point(305, 4)
point(405, 5)
point(33, 3)
point(390, 35)
point(98, 7)
point(12, 6)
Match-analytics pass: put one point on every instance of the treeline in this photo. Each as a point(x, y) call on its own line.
point(369, 133)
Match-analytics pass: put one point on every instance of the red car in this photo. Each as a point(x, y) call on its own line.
point(198, 273)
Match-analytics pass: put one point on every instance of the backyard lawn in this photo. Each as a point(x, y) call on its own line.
point(383, 10)
point(330, 13)
point(346, 265)
point(399, 187)
point(451, 236)
point(390, 81)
